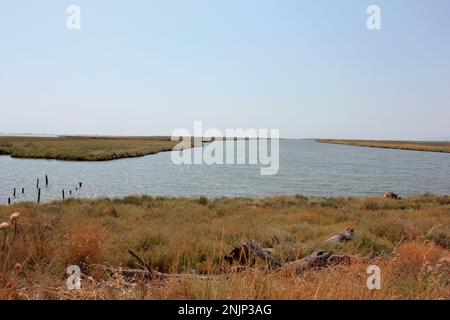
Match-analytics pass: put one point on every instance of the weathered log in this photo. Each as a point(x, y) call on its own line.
point(264, 255)
point(144, 274)
point(320, 259)
point(245, 255)
point(345, 236)
point(146, 266)
point(134, 273)
point(241, 255)
point(149, 273)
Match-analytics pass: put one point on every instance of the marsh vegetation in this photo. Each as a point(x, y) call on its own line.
point(79, 148)
point(432, 146)
point(407, 238)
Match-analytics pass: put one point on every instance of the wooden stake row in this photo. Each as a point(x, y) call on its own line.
point(80, 185)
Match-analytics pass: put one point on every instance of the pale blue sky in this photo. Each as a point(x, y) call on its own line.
point(309, 68)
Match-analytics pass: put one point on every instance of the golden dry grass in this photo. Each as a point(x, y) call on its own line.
point(442, 146)
point(84, 148)
point(179, 235)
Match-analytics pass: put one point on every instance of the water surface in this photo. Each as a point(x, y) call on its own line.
point(306, 167)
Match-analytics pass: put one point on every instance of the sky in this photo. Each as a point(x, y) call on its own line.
point(311, 69)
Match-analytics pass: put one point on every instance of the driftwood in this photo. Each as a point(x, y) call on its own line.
point(155, 275)
point(245, 255)
point(134, 273)
point(392, 195)
point(240, 254)
point(264, 255)
point(148, 273)
point(247, 252)
point(345, 236)
point(320, 259)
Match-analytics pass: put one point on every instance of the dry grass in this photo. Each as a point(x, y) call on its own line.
point(441, 146)
point(181, 235)
point(84, 148)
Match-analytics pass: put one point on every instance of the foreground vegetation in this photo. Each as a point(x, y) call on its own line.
point(84, 148)
point(408, 239)
point(441, 146)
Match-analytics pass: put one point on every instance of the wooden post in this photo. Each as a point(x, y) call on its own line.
point(14, 192)
point(80, 184)
point(23, 190)
point(37, 184)
point(63, 195)
point(46, 180)
point(70, 192)
point(39, 195)
point(9, 200)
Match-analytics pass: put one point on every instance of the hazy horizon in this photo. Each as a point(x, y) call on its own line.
point(144, 69)
point(440, 139)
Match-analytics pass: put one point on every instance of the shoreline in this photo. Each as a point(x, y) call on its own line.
point(85, 148)
point(425, 146)
point(204, 198)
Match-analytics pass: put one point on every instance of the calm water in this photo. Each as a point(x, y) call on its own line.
point(306, 167)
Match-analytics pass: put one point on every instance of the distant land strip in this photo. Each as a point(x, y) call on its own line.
point(84, 148)
point(429, 146)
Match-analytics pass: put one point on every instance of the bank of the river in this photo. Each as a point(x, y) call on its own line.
point(431, 146)
point(79, 148)
point(408, 239)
